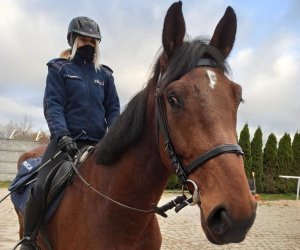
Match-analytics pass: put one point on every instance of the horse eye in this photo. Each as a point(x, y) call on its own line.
point(173, 101)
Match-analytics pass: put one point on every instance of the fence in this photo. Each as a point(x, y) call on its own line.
point(10, 150)
point(293, 177)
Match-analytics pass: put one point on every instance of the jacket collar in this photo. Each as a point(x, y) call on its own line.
point(79, 60)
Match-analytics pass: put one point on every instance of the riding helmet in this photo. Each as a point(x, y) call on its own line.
point(83, 26)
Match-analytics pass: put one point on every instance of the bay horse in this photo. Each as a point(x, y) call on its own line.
point(183, 122)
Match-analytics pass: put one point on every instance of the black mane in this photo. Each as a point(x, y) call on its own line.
point(126, 131)
point(129, 127)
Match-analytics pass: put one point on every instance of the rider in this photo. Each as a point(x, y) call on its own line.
point(80, 95)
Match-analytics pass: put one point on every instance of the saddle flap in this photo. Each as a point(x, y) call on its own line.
point(60, 180)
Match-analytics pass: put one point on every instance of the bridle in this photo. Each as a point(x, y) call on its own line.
point(181, 170)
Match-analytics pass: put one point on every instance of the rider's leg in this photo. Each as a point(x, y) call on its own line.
point(34, 212)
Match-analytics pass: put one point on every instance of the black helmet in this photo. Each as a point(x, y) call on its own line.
point(83, 26)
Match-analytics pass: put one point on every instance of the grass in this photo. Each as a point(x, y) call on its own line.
point(264, 197)
point(4, 184)
point(275, 197)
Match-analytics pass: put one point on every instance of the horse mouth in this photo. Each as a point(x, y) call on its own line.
point(220, 229)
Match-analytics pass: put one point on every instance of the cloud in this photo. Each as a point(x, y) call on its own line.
point(265, 59)
point(26, 45)
point(14, 112)
point(270, 85)
point(31, 38)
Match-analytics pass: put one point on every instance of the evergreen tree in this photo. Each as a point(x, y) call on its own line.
point(244, 142)
point(296, 159)
point(257, 158)
point(173, 182)
point(285, 157)
point(270, 171)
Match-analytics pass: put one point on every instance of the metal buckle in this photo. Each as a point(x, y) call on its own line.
point(195, 195)
point(157, 92)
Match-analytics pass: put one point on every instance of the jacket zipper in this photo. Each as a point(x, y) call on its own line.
point(88, 97)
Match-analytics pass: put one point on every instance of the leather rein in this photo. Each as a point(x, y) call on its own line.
point(181, 170)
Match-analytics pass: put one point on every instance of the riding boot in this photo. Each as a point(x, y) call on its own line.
point(28, 244)
point(32, 219)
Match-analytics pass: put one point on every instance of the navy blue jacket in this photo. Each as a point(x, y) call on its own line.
point(79, 98)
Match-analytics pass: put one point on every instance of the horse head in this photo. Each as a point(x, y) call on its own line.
point(196, 109)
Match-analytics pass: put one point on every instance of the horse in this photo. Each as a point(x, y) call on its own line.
point(36, 152)
point(184, 122)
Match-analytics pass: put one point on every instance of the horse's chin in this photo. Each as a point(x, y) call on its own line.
point(231, 236)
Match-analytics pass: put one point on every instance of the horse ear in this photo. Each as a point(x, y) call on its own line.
point(224, 34)
point(174, 29)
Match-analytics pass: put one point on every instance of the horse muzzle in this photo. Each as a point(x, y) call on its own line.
point(221, 228)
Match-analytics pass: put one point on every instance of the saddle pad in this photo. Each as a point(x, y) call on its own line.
point(22, 184)
point(56, 182)
point(26, 171)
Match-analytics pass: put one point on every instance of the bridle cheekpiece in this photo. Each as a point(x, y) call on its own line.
point(181, 170)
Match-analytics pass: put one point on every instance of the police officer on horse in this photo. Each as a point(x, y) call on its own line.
point(80, 95)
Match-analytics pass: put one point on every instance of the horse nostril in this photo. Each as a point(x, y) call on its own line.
point(218, 221)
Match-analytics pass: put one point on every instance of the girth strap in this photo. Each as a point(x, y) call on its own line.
point(222, 149)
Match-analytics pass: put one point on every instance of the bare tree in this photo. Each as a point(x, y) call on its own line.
point(20, 130)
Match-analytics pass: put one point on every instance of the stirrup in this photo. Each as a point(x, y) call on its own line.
point(27, 239)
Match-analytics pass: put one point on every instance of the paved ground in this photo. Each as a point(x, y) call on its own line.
point(277, 226)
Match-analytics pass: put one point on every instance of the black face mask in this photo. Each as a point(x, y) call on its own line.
point(87, 52)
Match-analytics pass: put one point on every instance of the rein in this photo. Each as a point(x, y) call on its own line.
point(179, 202)
point(75, 166)
point(105, 196)
point(181, 170)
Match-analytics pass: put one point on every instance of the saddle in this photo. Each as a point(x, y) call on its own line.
point(57, 180)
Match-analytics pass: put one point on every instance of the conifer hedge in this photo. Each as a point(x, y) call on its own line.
point(267, 161)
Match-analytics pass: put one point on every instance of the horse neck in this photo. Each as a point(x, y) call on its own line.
point(145, 169)
point(138, 177)
point(145, 175)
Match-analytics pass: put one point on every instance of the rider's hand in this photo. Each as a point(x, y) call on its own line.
point(67, 144)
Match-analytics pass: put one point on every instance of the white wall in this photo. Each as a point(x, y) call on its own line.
point(10, 150)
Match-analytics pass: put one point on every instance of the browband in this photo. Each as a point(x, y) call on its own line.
point(206, 62)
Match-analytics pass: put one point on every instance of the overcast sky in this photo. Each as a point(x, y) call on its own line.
point(265, 60)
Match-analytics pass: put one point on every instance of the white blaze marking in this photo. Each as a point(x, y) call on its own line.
point(212, 78)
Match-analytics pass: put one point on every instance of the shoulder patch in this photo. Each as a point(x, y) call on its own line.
point(107, 68)
point(57, 63)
